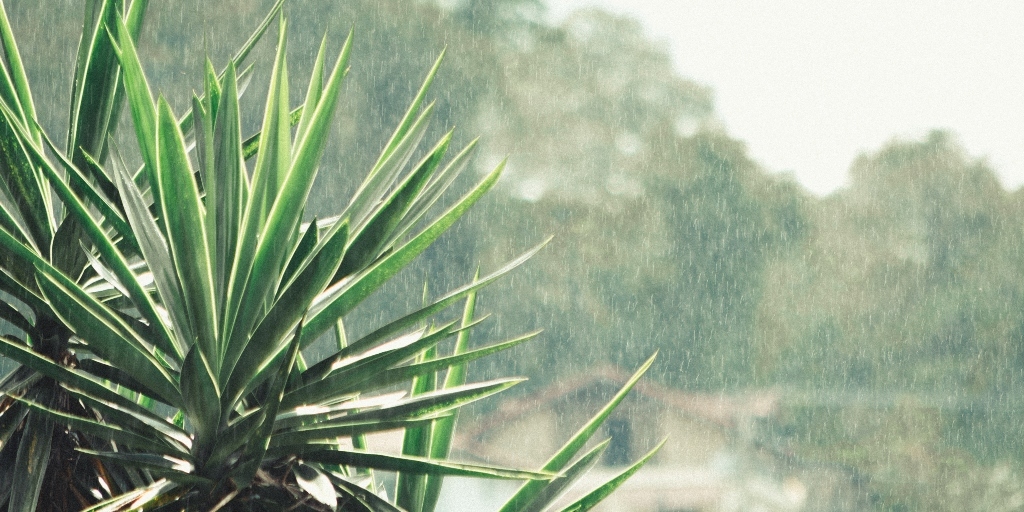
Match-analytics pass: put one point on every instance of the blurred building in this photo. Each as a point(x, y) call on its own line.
point(713, 459)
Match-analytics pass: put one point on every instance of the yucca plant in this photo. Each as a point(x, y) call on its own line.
point(159, 315)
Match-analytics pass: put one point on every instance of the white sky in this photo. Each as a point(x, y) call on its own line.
point(810, 84)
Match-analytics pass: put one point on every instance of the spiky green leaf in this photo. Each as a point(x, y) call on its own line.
point(74, 379)
point(32, 461)
point(25, 184)
point(401, 374)
point(112, 257)
point(16, 91)
point(140, 102)
point(107, 335)
point(154, 249)
point(106, 431)
point(344, 298)
point(557, 462)
point(558, 486)
point(330, 376)
point(443, 430)
point(377, 231)
point(415, 465)
point(269, 339)
point(201, 396)
point(597, 495)
point(228, 188)
point(186, 233)
point(435, 402)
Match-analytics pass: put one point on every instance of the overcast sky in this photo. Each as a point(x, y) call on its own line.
point(809, 84)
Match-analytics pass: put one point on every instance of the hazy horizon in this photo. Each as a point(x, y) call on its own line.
point(809, 85)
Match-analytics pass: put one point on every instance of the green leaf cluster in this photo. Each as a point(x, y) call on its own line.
point(161, 309)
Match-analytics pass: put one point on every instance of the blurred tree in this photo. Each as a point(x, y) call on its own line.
point(908, 287)
point(724, 226)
